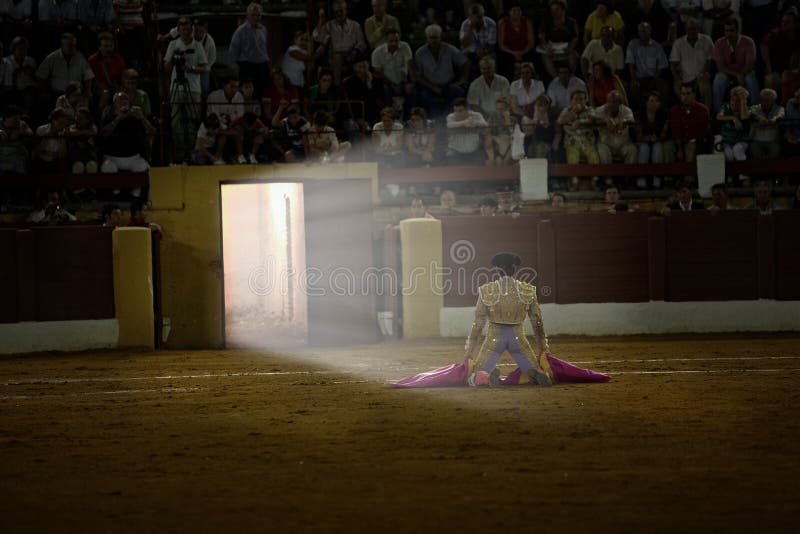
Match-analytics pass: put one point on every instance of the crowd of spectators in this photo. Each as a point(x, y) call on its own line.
point(648, 81)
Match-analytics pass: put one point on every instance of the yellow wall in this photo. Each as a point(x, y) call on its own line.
point(185, 202)
point(133, 286)
point(423, 299)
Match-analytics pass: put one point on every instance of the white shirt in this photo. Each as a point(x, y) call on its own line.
point(389, 141)
point(484, 96)
point(526, 97)
point(227, 111)
point(595, 51)
point(196, 58)
point(465, 140)
point(691, 59)
point(209, 141)
point(393, 65)
point(294, 68)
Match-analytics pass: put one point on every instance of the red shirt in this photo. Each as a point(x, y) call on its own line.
point(107, 71)
point(272, 98)
point(689, 124)
point(600, 89)
point(516, 39)
point(781, 48)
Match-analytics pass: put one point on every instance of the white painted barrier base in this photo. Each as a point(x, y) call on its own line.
point(655, 317)
point(20, 338)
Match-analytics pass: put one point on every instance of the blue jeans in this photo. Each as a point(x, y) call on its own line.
point(720, 86)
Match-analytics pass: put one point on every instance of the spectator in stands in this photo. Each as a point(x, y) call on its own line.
point(291, 133)
point(210, 142)
point(139, 217)
point(59, 15)
point(558, 38)
point(735, 56)
point(16, 17)
point(111, 215)
point(765, 130)
point(542, 131)
point(778, 47)
point(377, 26)
point(691, 60)
point(50, 154)
point(324, 96)
point(652, 136)
point(392, 61)
point(602, 82)
point(71, 100)
point(603, 16)
point(735, 117)
point(51, 211)
point(498, 138)
point(185, 60)
point(323, 145)
point(19, 77)
point(137, 97)
point(248, 48)
point(251, 103)
point(507, 204)
point(124, 128)
point(419, 210)
point(14, 135)
point(682, 10)
point(562, 88)
point(81, 142)
point(478, 36)
point(96, 15)
point(487, 88)
point(387, 138)
point(133, 38)
point(654, 14)
point(465, 128)
point(447, 203)
point(420, 139)
point(612, 200)
point(762, 200)
point(442, 72)
point(716, 12)
point(488, 207)
point(577, 121)
point(201, 35)
point(296, 57)
point(689, 122)
point(108, 67)
point(719, 199)
point(279, 96)
point(684, 202)
point(250, 136)
point(364, 88)
point(792, 135)
point(515, 40)
point(558, 201)
point(525, 91)
point(226, 103)
point(646, 60)
point(345, 37)
point(63, 66)
point(603, 49)
point(614, 120)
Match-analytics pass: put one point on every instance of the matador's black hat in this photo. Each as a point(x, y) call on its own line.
point(504, 259)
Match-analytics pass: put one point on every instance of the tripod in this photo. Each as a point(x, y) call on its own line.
point(184, 118)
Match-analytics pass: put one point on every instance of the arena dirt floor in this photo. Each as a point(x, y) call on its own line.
point(694, 433)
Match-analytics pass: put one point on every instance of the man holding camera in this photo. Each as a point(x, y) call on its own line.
point(185, 59)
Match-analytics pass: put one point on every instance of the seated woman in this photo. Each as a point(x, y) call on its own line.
point(323, 144)
point(420, 139)
point(542, 132)
point(387, 136)
point(71, 100)
point(514, 40)
point(735, 130)
point(498, 140)
point(652, 136)
point(603, 81)
point(324, 96)
point(523, 92)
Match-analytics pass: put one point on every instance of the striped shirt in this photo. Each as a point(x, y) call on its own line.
point(129, 13)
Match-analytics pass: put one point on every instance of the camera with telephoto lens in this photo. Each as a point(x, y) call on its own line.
point(179, 61)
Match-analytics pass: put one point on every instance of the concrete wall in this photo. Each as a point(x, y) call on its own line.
point(186, 203)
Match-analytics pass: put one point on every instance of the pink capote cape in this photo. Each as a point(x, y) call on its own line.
point(455, 374)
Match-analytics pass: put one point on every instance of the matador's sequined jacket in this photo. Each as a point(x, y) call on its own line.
point(507, 301)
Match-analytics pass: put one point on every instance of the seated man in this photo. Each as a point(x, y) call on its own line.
point(690, 123)
point(250, 136)
point(323, 145)
point(778, 47)
point(124, 128)
point(210, 142)
point(561, 88)
point(766, 140)
point(50, 154)
point(719, 199)
point(603, 49)
point(345, 37)
point(378, 25)
point(579, 141)
point(442, 72)
point(735, 56)
point(646, 60)
point(465, 130)
point(228, 105)
point(478, 36)
point(762, 200)
point(65, 65)
point(613, 120)
point(291, 134)
point(14, 134)
point(487, 88)
point(51, 211)
point(392, 62)
point(691, 60)
point(683, 202)
point(108, 68)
